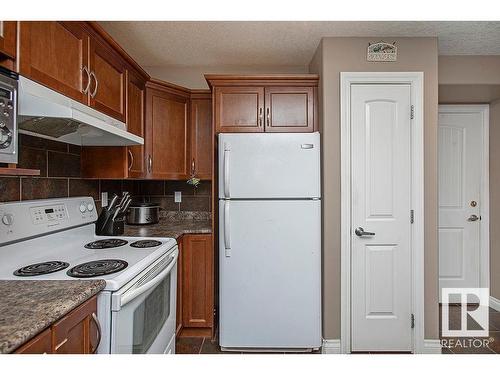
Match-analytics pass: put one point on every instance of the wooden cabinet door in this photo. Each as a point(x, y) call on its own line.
point(198, 283)
point(55, 54)
point(289, 109)
point(8, 38)
point(239, 109)
point(72, 334)
point(201, 138)
point(40, 344)
point(167, 132)
point(136, 95)
point(107, 90)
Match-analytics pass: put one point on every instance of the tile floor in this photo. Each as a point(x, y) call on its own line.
point(479, 345)
point(202, 345)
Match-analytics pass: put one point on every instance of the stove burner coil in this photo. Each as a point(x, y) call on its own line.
point(97, 268)
point(106, 244)
point(145, 243)
point(43, 268)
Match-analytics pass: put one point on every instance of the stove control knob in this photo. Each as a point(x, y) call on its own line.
point(90, 207)
point(83, 207)
point(8, 219)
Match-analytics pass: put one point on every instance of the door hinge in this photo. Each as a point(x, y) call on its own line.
point(412, 112)
point(412, 216)
point(412, 320)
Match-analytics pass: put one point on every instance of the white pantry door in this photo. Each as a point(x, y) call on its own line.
point(460, 173)
point(381, 270)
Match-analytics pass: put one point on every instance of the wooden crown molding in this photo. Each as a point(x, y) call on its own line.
point(261, 79)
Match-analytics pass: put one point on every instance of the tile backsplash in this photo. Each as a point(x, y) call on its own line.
point(60, 176)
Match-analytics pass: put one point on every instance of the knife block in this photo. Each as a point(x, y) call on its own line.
point(106, 226)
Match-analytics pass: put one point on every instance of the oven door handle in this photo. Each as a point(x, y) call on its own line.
point(129, 296)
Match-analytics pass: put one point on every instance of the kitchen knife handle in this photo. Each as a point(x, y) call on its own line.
point(227, 229)
point(227, 151)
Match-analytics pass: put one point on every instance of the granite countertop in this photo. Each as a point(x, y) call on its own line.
point(173, 225)
point(27, 307)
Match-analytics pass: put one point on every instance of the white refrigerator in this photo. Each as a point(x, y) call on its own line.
point(269, 241)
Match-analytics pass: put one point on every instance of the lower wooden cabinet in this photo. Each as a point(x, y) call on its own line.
point(76, 333)
point(196, 291)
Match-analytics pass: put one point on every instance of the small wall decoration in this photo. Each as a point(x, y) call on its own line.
point(382, 51)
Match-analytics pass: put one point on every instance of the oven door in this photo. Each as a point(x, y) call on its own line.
point(143, 311)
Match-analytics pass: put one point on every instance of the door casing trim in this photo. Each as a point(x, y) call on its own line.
point(416, 82)
point(484, 236)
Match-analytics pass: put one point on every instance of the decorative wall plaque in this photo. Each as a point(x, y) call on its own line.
point(382, 51)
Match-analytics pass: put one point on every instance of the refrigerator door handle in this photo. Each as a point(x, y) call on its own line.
point(227, 230)
point(227, 151)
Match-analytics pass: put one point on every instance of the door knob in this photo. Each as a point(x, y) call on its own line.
point(360, 232)
point(473, 218)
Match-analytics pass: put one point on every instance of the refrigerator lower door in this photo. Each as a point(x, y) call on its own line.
point(278, 165)
point(270, 274)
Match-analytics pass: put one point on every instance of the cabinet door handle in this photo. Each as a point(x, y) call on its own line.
point(86, 70)
point(94, 93)
point(131, 159)
point(99, 333)
point(193, 167)
point(260, 117)
point(150, 163)
point(268, 116)
point(56, 348)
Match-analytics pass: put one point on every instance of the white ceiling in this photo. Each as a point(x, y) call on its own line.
point(280, 43)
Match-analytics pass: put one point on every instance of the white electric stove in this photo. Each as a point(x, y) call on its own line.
point(55, 240)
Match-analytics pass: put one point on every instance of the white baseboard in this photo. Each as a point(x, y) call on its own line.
point(330, 346)
point(431, 346)
point(495, 303)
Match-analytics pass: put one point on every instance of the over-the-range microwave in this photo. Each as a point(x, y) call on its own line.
point(8, 116)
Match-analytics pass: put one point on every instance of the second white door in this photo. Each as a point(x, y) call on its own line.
point(381, 271)
point(460, 199)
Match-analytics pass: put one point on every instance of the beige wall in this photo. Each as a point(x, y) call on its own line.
point(469, 70)
point(192, 77)
point(337, 55)
point(495, 199)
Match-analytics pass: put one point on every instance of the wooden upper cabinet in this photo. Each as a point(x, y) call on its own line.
point(136, 96)
point(167, 133)
point(197, 281)
point(239, 109)
point(121, 162)
point(8, 38)
point(55, 54)
point(289, 109)
point(201, 137)
point(270, 103)
point(107, 88)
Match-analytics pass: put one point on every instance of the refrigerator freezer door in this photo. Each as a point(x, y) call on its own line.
point(284, 165)
point(270, 279)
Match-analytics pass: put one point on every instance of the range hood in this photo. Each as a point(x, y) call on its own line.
point(45, 113)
